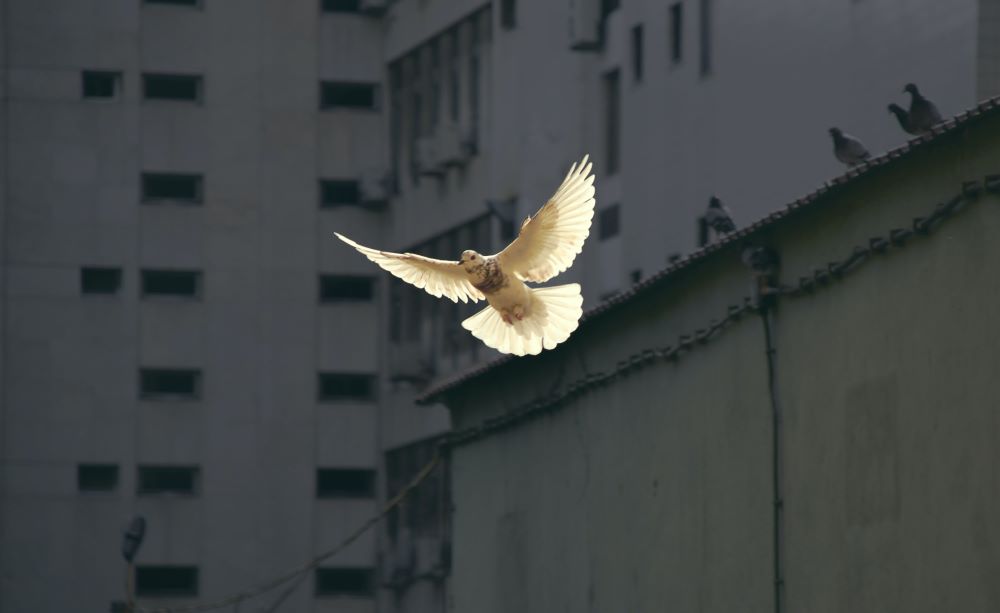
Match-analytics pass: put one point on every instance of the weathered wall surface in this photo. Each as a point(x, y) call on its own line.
point(654, 492)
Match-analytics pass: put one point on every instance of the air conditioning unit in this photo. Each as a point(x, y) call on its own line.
point(449, 145)
point(376, 186)
point(401, 564)
point(375, 8)
point(410, 362)
point(433, 556)
point(428, 159)
point(585, 27)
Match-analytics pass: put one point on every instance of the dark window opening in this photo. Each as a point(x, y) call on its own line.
point(341, 6)
point(167, 479)
point(183, 283)
point(335, 192)
point(676, 32)
point(345, 483)
point(608, 222)
point(171, 186)
point(705, 25)
point(176, 2)
point(334, 94)
point(169, 382)
point(171, 87)
point(101, 84)
point(341, 288)
point(166, 581)
point(345, 582)
point(508, 14)
point(637, 53)
point(344, 386)
point(96, 477)
point(612, 118)
point(100, 280)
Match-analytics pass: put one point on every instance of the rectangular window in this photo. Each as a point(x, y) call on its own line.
point(339, 94)
point(166, 581)
point(608, 222)
point(100, 280)
point(453, 78)
point(181, 383)
point(612, 118)
point(101, 84)
point(705, 25)
point(176, 2)
point(637, 53)
point(341, 6)
point(178, 283)
point(171, 87)
point(345, 582)
point(167, 480)
point(676, 32)
point(337, 192)
point(96, 477)
point(345, 483)
point(343, 288)
point(346, 386)
point(395, 120)
point(177, 187)
point(508, 14)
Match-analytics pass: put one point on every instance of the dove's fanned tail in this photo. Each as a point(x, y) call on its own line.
point(552, 316)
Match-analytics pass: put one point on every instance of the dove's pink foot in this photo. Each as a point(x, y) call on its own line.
point(505, 316)
point(518, 312)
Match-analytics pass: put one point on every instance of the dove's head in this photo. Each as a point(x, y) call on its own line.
point(471, 259)
point(911, 89)
point(714, 203)
point(836, 133)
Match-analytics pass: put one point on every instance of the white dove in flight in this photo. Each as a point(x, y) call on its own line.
point(519, 319)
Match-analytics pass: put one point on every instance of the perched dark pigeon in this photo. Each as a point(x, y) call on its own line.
point(924, 115)
point(903, 118)
point(848, 149)
point(718, 217)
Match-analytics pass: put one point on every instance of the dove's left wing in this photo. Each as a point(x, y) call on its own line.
point(549, 241)
point(437, 277)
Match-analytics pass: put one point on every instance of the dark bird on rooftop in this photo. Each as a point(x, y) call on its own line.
point(924, 114)
point(718, 217)
point(848, 149)
point(903, 118)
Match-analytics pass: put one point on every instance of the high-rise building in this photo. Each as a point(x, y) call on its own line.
point(183, 338)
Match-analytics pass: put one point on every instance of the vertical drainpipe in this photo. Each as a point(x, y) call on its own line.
point(764, 264)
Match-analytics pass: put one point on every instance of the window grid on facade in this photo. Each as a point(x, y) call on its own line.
point(170, 383)
point(508, 14)
point(676, 32)
point(344, 581)
point(97, 477)
point(170, 283)
point(98, 280)
point(100, 83)
point(346, 288)
point(335, 387)
point(172, 186)
point(608, 222)
point(174, 87)
point(345, 483)
point(637, 53)
point(166, 581)
point(167, 480)
point(348, 95)
point(612, 119)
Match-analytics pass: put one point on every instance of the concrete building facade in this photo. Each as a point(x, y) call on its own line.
point(638, 466)
point(181, 336)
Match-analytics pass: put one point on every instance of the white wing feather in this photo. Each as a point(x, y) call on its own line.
point(549, 242)
point(437, 277)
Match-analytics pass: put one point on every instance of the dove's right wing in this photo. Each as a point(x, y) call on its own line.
point(437, 277)
point(549, 241)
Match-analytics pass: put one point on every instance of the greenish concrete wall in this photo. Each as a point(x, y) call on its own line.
point(654, 493)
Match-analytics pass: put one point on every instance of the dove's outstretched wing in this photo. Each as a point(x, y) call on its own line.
point(437, 277)
point(549, 241)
